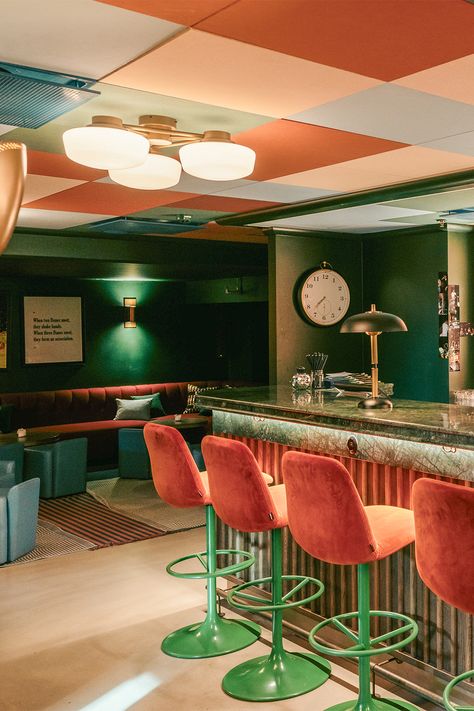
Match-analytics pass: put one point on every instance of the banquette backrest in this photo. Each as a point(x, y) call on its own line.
point(55, 407)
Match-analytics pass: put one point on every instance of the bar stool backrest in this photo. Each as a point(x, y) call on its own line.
point(175, 474)
point(444, 540)
point(239, 493)
point(325, 513)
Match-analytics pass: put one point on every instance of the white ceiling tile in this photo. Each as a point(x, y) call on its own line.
point(395, 113)
point(79, 37)
point(438, 202)
point(274, 192)
point(55, 219)
point(461, 143)
point(5, 128)
point(366, 218)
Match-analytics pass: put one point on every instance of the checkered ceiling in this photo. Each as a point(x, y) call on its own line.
point(333, 95)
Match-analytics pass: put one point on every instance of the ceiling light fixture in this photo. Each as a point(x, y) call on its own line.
point(131, 153)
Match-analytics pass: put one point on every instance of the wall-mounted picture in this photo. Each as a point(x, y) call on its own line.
point(3, 330)
point(53, 329)
point(442, 293)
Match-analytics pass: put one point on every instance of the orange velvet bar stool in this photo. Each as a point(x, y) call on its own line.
point(178, 481)
point(328, 520)
point(444, 543)
point(243, 501)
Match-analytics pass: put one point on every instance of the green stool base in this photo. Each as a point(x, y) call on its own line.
point(374, 705)
point(277, 676)
point(210, 638)
point(448, 704)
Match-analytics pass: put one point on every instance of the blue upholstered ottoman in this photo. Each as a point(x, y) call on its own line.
point(61, 467)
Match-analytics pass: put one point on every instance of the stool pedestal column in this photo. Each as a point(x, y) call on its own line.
point(281, 674)
point(214, 636)
point(365, 701)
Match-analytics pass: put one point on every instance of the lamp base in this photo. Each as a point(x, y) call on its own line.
point(375, 403)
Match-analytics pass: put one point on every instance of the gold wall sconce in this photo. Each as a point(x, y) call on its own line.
point(129, 306)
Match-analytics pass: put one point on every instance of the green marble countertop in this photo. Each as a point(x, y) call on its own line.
point(417, 421)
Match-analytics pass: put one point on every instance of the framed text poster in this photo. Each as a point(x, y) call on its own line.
point(3, 330)
point(53, 329)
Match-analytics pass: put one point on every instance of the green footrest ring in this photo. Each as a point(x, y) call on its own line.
point(260, 604)
point(452, 684)
point(249, 560)
point(358, 650)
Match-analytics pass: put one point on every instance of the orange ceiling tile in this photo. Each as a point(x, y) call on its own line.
point(202, 67)
point(222, 204)
point(107, 199)
point(385, 39)
point(285, 147)
point(60, 166)
point(182, 12)
point(453, 80)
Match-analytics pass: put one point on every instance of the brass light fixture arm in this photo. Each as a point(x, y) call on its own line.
point(161, 129)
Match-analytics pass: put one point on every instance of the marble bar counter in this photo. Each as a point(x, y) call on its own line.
point(385, 452)
point(430, 437)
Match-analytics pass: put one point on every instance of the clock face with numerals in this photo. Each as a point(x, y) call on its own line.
point(323, 297)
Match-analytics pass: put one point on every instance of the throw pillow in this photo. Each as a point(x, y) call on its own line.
point(133, 409)
point(193, 390)
point(156, 408)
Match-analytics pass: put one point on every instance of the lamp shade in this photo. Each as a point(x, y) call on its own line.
point(105, 147)
point(156, 173)
point(373, 322)
point(218, 159)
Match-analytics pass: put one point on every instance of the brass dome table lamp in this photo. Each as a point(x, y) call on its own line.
point(373, 323)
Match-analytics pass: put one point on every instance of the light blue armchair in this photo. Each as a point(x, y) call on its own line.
point(18, 514)
point(61, 467)
point(13, 453)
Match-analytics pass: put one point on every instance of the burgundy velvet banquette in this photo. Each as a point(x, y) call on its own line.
point(90, 412)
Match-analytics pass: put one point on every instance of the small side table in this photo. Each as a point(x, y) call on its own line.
point(31, 439)
point(185, 423)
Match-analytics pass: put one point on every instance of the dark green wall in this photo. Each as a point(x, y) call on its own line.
point(174, 340)
point(291, 337)
point(400, 276)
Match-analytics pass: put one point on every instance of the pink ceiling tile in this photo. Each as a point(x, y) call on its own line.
point(410, 163)
point(183, 12)
point(286, 147)
point(453, 80)
point(202, 67)
point(102, 198)
point(385, 39)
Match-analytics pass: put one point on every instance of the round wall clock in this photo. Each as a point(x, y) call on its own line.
point(322, 296)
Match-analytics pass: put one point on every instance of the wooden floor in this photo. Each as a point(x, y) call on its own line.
point(82, 632)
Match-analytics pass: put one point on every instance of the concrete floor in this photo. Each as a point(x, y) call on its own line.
point(82, 632)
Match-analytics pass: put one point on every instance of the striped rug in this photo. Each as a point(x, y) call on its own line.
point(85, 517)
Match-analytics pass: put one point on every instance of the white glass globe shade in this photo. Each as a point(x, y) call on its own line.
point(217, 160)
point(156, 173)
point(105, 148)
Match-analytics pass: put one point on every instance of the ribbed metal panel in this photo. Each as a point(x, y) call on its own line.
point(446, 638)
point(30, 103)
